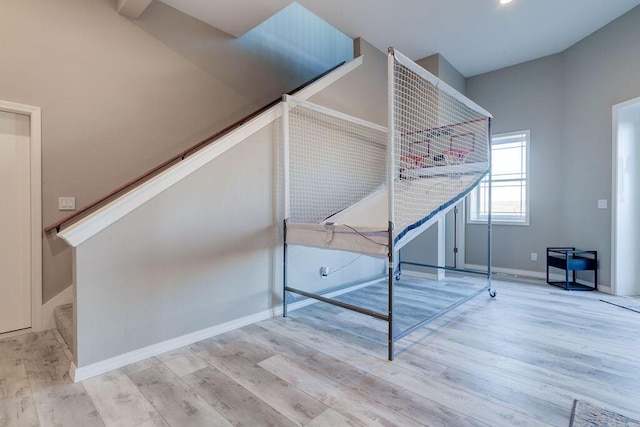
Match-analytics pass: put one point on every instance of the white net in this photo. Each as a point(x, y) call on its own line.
point(440, 145)
point(334, 161)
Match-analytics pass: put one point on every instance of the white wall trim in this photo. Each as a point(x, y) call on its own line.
point(532, 274)
point(15, 333)
point(419, 274)
point(615, 111)
point(89, 226)
point(64, 297)
point(35, 122)
point(515, 272)
point(98, 368)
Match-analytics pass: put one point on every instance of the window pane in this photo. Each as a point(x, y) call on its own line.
point(507, 159)
point(509, 181)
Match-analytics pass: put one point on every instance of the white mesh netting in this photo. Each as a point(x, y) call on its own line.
point(338, 166)
point(333, 160)
point(441, 146)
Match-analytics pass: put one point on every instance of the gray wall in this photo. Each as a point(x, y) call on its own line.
point(439, 66)
point(525, 96)
point(256, 65)
point(367, 86)
point(566, 101)
point(600, 71)
point(197, 255)
point(204, 252)
point(119, 97)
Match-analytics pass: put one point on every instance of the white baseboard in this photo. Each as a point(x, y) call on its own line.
point(419, 274)
point(83, 372)
point(605, 289)
point(535, 275)
point(46, 314)
point(515, 272)
point(98, 368)
point(16, 333)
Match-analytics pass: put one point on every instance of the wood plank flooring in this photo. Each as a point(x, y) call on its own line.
point(518, 359)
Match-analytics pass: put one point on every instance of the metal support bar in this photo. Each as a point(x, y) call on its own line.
point(391, 337)
point(489, 226)
point(338, 303)
point(462, 270)
point(455, 237)
point(284, 269)
point(440, 314)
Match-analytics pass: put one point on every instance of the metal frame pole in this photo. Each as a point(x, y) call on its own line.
point(284, 269)
point(286, 196)
point(391, 187)
point(489, 225)
point(391, 266)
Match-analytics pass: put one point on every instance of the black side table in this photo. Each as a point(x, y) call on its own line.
point(571, 260)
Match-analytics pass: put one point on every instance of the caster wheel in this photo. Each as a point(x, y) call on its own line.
point(398, 277)
point(493, 293)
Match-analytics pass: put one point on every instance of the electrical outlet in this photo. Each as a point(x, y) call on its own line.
point(67, 203)
point(534, 256)
point(324, 271)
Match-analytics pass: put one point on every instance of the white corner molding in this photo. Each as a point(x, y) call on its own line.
point(92, 224)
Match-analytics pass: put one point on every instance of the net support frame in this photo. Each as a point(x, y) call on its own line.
point(395, 263)
point(394, 55)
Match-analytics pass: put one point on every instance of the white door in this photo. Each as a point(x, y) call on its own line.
point(15, 218)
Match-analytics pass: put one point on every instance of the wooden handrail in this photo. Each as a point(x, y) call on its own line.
point(177, 158)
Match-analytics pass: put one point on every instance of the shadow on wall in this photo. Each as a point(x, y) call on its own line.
point(298, 40)
point(278, 55)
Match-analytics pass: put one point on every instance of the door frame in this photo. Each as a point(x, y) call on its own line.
point(614, 189)
point(35, 125)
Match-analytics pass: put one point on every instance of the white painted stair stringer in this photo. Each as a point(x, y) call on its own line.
point(92, 224)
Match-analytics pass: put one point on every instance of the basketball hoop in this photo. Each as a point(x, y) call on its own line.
point(455, 157)
point(410, 165)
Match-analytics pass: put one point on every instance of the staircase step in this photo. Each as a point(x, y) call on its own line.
point(63, 315)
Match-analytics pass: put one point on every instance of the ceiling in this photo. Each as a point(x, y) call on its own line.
point(475, 36)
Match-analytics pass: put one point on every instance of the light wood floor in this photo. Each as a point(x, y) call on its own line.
point(518, 359)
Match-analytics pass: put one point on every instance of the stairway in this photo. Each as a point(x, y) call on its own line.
point(63, 315)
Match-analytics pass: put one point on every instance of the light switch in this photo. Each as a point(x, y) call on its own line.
point(602, 204)
point(67, 203)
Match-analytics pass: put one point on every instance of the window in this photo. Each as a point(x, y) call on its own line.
point(509, 176)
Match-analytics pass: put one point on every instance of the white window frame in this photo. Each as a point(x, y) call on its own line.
point(473, 199)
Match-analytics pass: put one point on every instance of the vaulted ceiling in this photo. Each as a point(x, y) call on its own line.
point(476, 36)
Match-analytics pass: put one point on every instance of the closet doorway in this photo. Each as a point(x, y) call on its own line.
point(20, 216)
point(626, 199)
